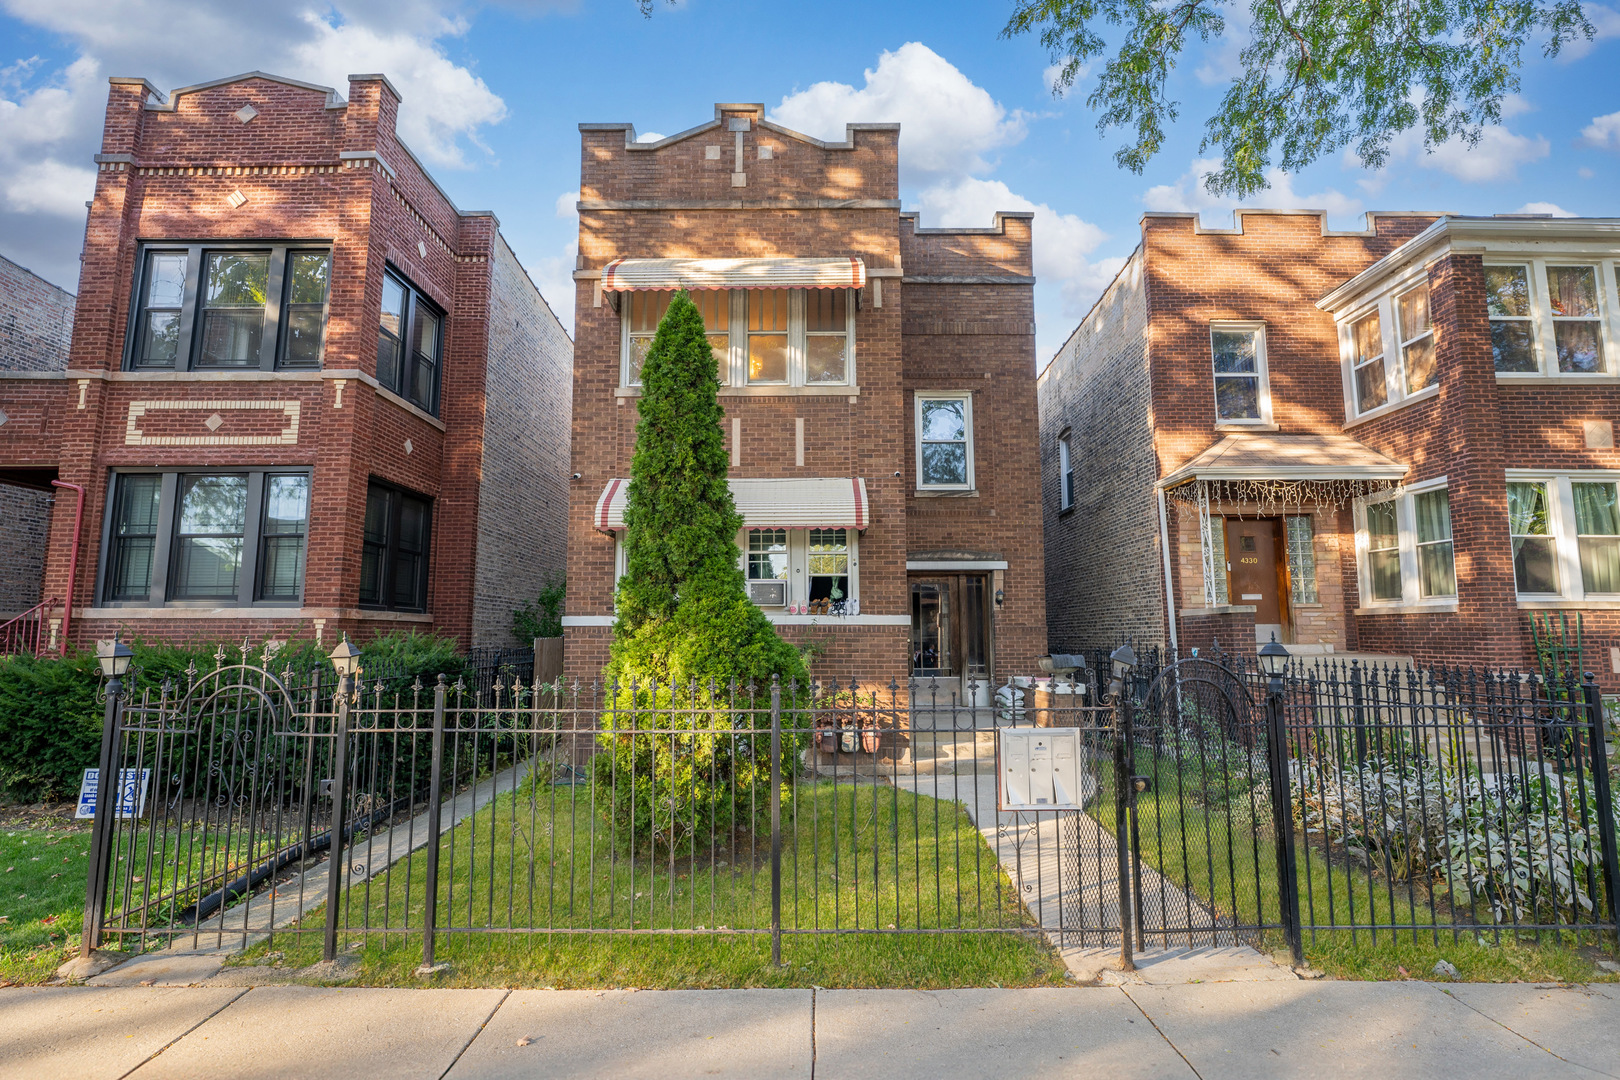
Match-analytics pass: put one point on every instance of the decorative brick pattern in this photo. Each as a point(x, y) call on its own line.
point(284, 430)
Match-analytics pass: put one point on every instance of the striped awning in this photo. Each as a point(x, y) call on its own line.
point(822, 503)
point(628, 275)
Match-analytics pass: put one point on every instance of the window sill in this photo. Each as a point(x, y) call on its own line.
point(782, 390)
point(1570, 605)
point(1393, 407)
point(1447, 607)
point(934, 493)
point(1245, 425)
point(1066, 511)
point(250, 611)
point(1536, 378)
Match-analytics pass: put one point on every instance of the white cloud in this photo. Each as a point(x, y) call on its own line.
point(948, 125)
point(1189, 194)
point(1607, 23)
point(649, 136)
point(568, 205)
point(1603, 132)
point(1550, 209)
point(1049, 77)
point(1496, 156)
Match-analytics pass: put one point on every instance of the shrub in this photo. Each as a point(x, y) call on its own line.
point(543, 617)
point(400, 658)
point(50, 725)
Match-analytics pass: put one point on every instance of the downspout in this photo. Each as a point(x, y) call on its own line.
point(73, 561)
point(1169, 581)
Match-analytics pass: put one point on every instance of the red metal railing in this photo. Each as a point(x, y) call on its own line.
point(29, 632)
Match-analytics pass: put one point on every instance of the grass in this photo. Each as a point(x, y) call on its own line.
point(855, 857)
point(42, 873)
point(1192, 810)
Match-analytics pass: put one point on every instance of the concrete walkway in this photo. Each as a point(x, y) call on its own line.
point(1212, 1031)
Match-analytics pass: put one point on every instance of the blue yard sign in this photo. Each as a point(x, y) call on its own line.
point(130, 798)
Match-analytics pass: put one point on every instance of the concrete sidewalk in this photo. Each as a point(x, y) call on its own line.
point(1212, 1031)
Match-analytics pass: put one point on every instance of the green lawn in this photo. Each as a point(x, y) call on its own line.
point(855, 858)
point(42, 874)
point(1194, 809)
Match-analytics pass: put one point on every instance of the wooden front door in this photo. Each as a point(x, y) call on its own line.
point(1259, 573)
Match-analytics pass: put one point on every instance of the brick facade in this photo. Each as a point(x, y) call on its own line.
point(256, 159)
point(944, 310)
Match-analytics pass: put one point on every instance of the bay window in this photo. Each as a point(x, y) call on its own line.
point(1548, 317)
point(204, 306)
point(790, 338)
point(217, 537)
point(1404, 547)
point(1417, 339)
point(1507, 303)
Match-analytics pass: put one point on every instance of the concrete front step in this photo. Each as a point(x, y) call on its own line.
point(953, 752)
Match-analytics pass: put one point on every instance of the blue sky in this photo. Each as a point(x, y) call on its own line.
point(493, 94)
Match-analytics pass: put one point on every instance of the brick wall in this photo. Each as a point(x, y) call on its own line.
point(36, 321)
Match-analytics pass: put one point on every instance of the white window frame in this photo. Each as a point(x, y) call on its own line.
point(1403, 342)
point(798, 579)
point(1562, 527)
point(1406, 525)
point(917, 398)
point(1542, 333)
point(734, 374)
point(1387, 305)
point(1065, 474)
point(1262, 367)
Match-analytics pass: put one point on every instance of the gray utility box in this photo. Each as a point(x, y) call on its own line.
point(1041, 769)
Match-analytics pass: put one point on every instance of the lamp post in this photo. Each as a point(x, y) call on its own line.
point(1273, 662)
point(114, 657)
point(1124, 663)
point(346, 660)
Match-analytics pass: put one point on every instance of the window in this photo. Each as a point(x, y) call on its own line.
point(202, 307)
point(829, 571)
point(1301, 541)
point(818, 569)
point(1065, 475)
point(1437, 574)
point(1577, 334)
point(1535, 564)
point(1367, 337)
point(1241, 394)
point(1597, 528)
point(1417, 339)
point(767, 554)
point(394, 551)
point(206, 537)
point(945, 441)
point(1384, 550)
point(760, 337)
point(1507, 300)
point(410, 341)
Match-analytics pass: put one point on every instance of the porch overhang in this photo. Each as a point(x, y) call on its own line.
point(772, 503)
point(629, 275)
point(1270, 468)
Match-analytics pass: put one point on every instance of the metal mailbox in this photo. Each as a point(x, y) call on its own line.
point(1041, 769)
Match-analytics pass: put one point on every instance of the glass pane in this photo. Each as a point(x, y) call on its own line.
point(944, 463)
point(824, 360)
point(1234, 350)
point(1600, 565)
point(135, 536)
point(825, 309)
point(393, 306)
point(1511, 347)
point(1368, 338)
point(647, 310)
point(1433, 512)
point(1413, 308)
point(377, 516)
point(638, 358)
point(1421, 370)
point(720, 346)
point(1436, 574)
point(1533, 569)
point(286, 504)
point(829, 563)
point(930, 629)
point(232, 337)
point(283, 575)
point(165, 280)
point(1386, 574)
point(974, 650)
point(715, 306)
point(1382, 531)
point(162, 336)
point(427, 333)
point(1572, 290)
point(1237, 397)
point(1371, 388)
point(422, 387)
point(303, 336)
point(407, 580)
point(132, 568)
point(1301, 559)
point(138, 506)
point(944, 419)
point(237, 280)
point(208, 567)
point(212, 504)
point(371, 575)
point(767, 554)
point(388, 361)
point(1507, 291)
point(1579, 347)
point(767, 358)
point(308, 278)
point(768, 310)
point(828, 540)
point(1527, 509)
point(1597, 513)
point(412, 524)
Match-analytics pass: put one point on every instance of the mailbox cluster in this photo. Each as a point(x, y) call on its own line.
point(1042, 769)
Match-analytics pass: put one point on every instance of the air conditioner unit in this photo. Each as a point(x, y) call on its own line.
point(768, 593)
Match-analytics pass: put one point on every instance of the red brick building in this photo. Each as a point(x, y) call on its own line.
point(305, 393)
point(1396, 440)
point(877, 382)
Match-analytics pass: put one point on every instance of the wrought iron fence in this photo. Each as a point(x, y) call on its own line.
point(1214, 806)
